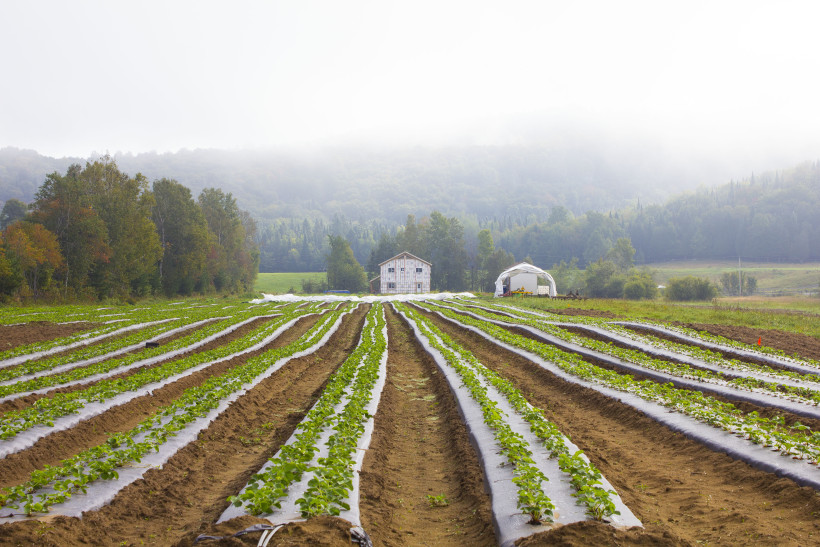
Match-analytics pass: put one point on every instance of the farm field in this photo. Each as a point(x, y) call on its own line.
point(436, 422)
point(783, 315)
point(773, 278)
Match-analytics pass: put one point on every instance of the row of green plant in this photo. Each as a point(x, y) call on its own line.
point(45, 410)
point(90, 351)
point(719, 312)
point(585, 477)
point(101, 367)
point(711, 356)
point(796, 440)
point(328, 489)
point(120, 318)
point(27, 349)
point(101, 462)
point(55, 314)
point(723, 341)
point(802, 394)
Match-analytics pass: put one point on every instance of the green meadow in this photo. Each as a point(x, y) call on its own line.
point(773, 279)
point(281, 283)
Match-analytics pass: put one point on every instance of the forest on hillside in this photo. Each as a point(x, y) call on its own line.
point(96, 232)
point(516, 182)
point(547, 205)
point(769, 218)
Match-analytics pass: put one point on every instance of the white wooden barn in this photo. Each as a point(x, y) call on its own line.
point(404, 273)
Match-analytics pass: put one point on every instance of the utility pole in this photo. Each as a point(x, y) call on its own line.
point(739, 278)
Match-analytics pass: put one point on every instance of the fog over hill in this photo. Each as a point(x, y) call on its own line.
point(362, 184)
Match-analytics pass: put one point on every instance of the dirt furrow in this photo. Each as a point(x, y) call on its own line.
point(421, 481)
point(12, 336)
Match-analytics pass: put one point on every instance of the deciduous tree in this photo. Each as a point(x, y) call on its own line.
point(36, 251)
point(184, 237)
point(63, 204)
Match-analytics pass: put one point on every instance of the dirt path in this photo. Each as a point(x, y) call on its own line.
point(175, 504)
point(682, 491)
point(420, 451)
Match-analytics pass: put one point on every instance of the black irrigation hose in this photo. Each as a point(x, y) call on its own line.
point(249, 530)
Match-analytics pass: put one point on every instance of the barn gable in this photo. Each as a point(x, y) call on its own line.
point(404, 273)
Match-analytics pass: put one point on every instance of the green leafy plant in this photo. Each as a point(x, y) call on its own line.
point(438, 500)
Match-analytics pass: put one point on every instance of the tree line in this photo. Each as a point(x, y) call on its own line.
point(771, 217)
point(96, 232)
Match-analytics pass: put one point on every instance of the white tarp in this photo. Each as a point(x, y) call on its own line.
point(523, 268)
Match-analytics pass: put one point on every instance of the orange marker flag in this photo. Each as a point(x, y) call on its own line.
point(759, 341)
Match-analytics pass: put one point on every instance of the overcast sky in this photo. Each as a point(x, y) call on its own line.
point(737, 77)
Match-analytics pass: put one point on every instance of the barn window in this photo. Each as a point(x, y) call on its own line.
point(391, 285)
point(391, 269)
point(402, 269)
point(418, 270)
point(418, 285)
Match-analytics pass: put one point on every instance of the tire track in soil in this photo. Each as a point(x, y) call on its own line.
point(173, 505)
point(16, 468)
point(420, 448)
point(683, 492)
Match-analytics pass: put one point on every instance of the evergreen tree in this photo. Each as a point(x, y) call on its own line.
point(343, 271)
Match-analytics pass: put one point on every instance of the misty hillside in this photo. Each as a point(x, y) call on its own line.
point(23, 171)
point(771, 217)
point(548, 204)
point(517, 182)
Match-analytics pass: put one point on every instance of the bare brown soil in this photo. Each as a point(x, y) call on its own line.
point(590, 313)
point(420, 450)
point(12, 336)
point(792, 343)
point(683, 492)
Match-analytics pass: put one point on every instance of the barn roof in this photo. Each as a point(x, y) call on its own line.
point(405, 253)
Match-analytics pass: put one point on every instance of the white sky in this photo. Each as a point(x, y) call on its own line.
point(134, 76)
